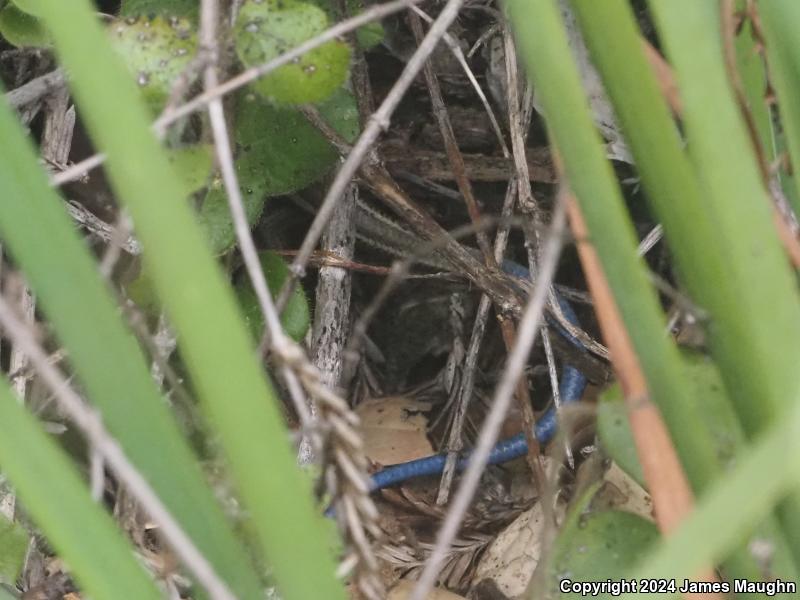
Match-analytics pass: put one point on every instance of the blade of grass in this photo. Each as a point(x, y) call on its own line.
point(60, 504)
point(214, 342)
point(666, 480)
point(753, 77)
point(750, 82)
point(728, 513)
point(714, 262)
point(754, 331)
point(109, 363)
point(779, 21)
point(5, 595)
point(541, 37)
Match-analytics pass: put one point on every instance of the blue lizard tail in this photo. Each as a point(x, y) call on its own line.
point(573, 383)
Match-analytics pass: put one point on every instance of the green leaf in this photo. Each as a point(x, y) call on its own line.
point(718, 418)
point(143, 293)
point(720, 421)
point(266, 29)
point(156, 50)
point(32, 7)
point(187, 9)
point(215, 215)
point(278, 152)
point(295, 317)
point(192, 164)
point(614, 432)
point(603, 545)
point(79, 530)
point(22, 29)
point(368, 36)
point(727, 515)
point(595, 546)
point(13, 547)
point(341, 112)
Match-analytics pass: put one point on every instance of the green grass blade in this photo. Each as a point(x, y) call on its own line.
point(753, 73)
point(728, 513)
point(755, 331)
point(713, 255)
point(780, 20)
point(240, 402)
point(5, 595)
point(43, 241)
point(753, 77)
point(60, 504)
point(14, 541)
point(543, 42)
point(542, 36)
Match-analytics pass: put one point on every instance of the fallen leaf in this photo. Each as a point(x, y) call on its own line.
point(623, 492)
point(402, 591)
point(394, 429)
point(512, 557)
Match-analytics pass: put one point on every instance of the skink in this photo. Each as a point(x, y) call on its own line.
point(384, 233)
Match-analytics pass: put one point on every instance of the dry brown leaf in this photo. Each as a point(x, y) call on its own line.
point(403, 591)
point(622, 492)
point(512, 557)
point(394, 429)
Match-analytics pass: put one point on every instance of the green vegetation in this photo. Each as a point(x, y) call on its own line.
point(733, 416)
